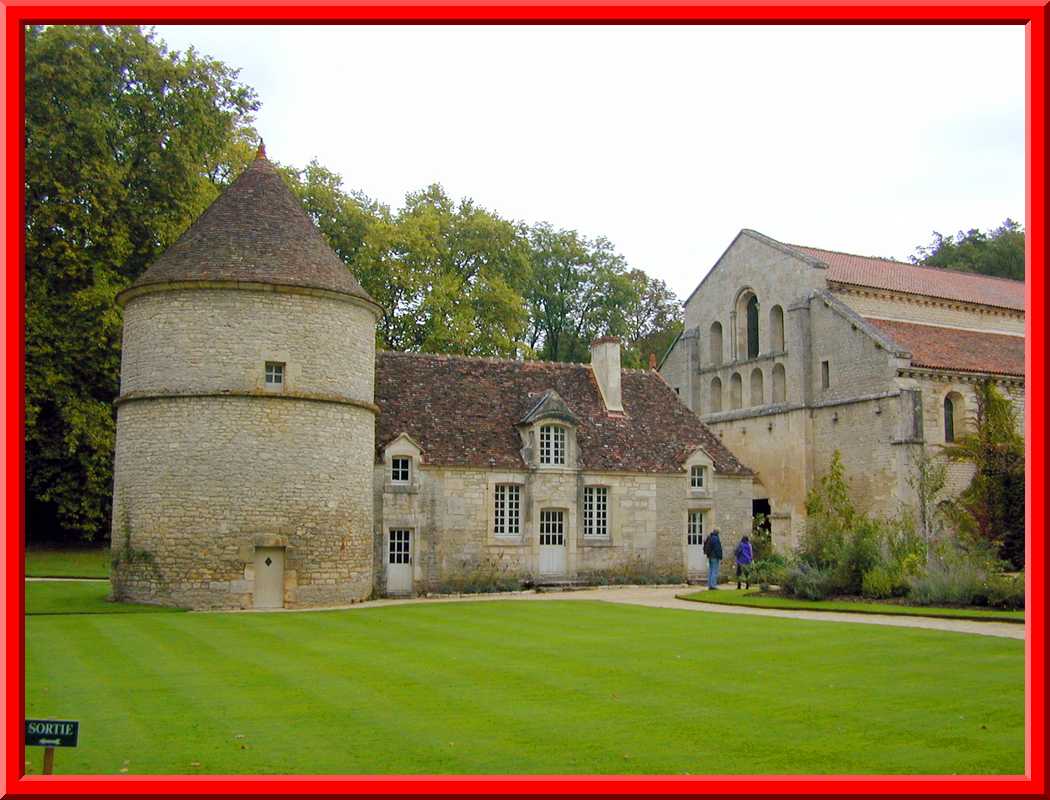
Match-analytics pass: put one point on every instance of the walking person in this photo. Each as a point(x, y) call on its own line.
point(744, 557)
point(713, 551)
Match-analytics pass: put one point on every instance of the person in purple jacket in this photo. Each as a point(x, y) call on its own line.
point(743, 557)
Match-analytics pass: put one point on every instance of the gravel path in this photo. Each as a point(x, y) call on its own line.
point(664, 597)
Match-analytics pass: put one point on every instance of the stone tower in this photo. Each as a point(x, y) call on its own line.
point(246, 421)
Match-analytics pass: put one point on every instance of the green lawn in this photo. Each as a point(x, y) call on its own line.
point(751, 597)
point(68, 562)
point(78, 597)
point(522, 687)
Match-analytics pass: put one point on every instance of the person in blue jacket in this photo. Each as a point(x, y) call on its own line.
point(713, 551)
point(744, 557)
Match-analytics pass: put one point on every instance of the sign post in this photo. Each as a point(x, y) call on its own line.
point(49, 734)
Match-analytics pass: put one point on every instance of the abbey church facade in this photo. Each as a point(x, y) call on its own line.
point(792, 353)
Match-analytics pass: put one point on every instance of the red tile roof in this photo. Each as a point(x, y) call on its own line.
point(463, 412)
point(954, 349)
point(882, 273)
point(256, 231)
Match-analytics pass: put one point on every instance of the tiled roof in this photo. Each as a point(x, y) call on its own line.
point(954, 349)
point(256, 232)
point(882, 273)
point(463, 412)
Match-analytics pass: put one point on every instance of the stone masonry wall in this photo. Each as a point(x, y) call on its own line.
point(221, 339)
point(930, 311)
point(199, 482)
point(451, 512)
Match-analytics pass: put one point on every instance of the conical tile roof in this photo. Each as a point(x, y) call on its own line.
point(255, 232)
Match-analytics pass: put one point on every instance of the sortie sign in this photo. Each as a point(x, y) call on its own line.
point(52, 732)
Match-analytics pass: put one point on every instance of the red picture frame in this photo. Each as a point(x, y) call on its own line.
point(18, 13)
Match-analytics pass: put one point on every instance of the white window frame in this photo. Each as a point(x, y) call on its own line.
point(554, 443)
point(698, 471)
point(395, 470)
point(273, 373)
point(692, 528)
point(596, 512)
point(552, 523)
point(507, 510)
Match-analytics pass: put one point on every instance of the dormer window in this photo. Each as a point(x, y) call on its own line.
point(399, 469)
point(552, 444)
point(274, 374)
point(697, 477)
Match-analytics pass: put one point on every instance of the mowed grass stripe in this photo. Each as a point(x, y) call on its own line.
point(512, 686)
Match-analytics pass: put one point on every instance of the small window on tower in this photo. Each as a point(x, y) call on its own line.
point(825, 374)
point(275, 373)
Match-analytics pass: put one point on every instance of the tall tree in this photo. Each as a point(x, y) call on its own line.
point(126, 143)
point(999, 252)
point(654, 322)
point(992, 507)
point(580, 289)
point(450, 276)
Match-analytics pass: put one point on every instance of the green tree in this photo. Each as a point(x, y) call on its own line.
point(999, 252)
point(580, 289)
point(653, 323)
point(928, 481)
point(126, 143)
point(450, 276)
point(992, 508)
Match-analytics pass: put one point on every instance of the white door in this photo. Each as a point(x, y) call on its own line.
point(694, 542)
point(552, 543)
point(399, 562)
point(269, 577)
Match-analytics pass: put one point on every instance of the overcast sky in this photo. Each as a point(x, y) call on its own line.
point(667, 140)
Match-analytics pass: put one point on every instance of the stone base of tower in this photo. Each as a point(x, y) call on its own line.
point(242, 502)
point(226, 595)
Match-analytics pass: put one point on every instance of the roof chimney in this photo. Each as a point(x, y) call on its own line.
point(605, 362)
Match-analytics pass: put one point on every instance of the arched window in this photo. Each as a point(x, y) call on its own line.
point(716, 342)
point(776, 329)
point(746, 322)
point(779, 384)
point(953, 416)
point(716, 395)
point(752, 327)
point(736, 391)
point(757, 389)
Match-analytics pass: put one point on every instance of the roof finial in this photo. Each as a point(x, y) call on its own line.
point(261, 153)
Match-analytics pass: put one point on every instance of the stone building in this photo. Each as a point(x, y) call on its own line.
point(267, 456)
point(790, 353)
point(554, 471)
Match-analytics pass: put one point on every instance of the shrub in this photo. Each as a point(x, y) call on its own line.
point(952, 581)
point(768, 571)
point(761, 538)
point(1005, 591)
point(859, 555)
point(881, 582)
point(808, 582)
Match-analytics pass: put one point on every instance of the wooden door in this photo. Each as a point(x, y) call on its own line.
point(269, 577)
